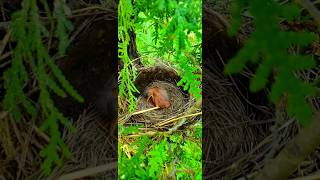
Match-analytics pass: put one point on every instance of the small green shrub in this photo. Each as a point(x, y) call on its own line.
point(162, 155)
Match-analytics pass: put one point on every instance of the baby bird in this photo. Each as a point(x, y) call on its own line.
point(158, 97)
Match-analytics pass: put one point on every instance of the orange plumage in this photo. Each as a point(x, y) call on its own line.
point(159, 97)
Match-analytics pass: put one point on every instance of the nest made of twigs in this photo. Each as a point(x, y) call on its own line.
point(145, 113)
point(91, 146)
point(179, 104)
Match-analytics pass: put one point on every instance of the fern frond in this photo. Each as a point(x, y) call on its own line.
point(272, 44)
point(27, 32)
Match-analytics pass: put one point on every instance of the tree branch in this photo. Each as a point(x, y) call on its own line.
point(293, 153)
point(309, 6)
point(90, 171)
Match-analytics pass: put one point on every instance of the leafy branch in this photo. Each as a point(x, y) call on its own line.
point(168, 28)
point(164, 155)
point(27, 32)
point(268, 46)
point(129, 72)
point(176, 27)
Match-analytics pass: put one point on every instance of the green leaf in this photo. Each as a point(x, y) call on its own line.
point(261, 77)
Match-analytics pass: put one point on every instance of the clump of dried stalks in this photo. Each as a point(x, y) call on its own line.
point(161, 119)
point(179, 104)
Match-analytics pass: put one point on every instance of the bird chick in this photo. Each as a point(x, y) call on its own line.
point(158, 97)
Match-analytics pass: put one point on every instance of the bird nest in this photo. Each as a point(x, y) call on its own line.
point(164, 118)
point(179, 104)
